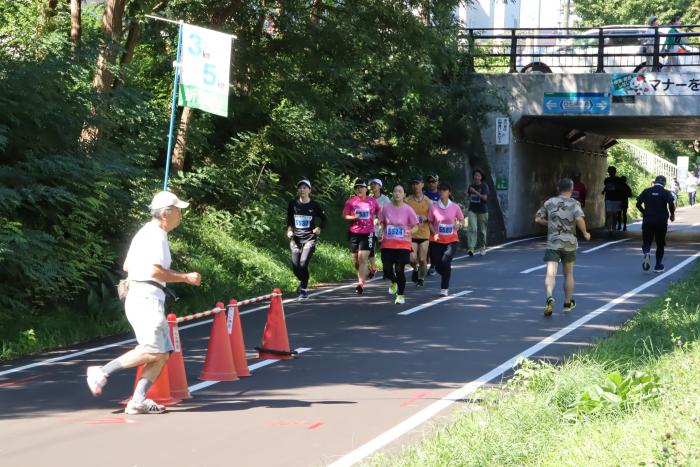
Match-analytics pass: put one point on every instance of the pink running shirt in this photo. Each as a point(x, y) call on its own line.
point(365, 210)
point(443, 221)
point(397, 222)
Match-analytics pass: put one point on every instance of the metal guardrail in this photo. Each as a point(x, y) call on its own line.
point(652, 163)
point(607, 49)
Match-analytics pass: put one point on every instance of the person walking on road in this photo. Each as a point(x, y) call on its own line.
point(445, 218)
point(421, 237)
point(302, 232)
point(626, 194)
point(478, 193)
point(657, 207)
point(561, 215)
point(691, 186)
point(375, 185)
point(579, 193)
point(362, 211)
point(613, 200)
point(148, 267)
point(398, 222)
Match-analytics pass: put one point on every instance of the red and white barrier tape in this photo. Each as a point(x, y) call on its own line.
point(213, 311)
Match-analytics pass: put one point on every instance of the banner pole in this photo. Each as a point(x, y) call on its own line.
point(173, 109)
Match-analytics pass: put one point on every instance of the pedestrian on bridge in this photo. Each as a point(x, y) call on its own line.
point(561, 215)
point(148, 266)
point(657, 207)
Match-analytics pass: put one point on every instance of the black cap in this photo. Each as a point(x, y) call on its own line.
point(444, 186)
point(660, 179)
point(360, 182)
point(416, 179)
point(433, 177)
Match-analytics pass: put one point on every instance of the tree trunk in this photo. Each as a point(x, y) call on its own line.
point(75, 22)
point(112, 32)
point(316, 12)
point(178, 160)
point(132, 38)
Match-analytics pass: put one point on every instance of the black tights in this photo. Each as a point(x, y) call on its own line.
point(394, 262)
point(301, 257)
point(441, 255)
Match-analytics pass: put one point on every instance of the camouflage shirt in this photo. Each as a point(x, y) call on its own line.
point(561, 213)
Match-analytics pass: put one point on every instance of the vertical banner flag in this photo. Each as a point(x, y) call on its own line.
point(204, 69)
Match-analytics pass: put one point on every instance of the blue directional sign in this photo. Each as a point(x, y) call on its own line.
point(576, 103)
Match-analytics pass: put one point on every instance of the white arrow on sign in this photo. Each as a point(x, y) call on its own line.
point(551, 104)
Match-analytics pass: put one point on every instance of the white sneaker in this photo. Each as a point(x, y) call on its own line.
point(444, 292)
point(147, 407)
point(400, 300)
point(96, 380)
point(482, 252)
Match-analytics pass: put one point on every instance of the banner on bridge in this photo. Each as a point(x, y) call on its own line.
point(655, 84)
point(204, 69)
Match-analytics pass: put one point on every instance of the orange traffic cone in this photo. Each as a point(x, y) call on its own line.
point(275, 342)
point(160, 390)
point(236, 338)
point(218, 366)
point(176, 363)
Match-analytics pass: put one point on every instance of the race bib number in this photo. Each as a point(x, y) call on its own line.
point(362, 213)
point(393, 231)
point(446, 229)
point(476, 199)
point(302, 222)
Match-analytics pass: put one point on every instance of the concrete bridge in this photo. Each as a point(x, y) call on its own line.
point(560, 124)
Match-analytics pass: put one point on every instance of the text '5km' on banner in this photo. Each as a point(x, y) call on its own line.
point(204, 69)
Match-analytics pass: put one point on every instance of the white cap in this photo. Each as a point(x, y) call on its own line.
point(377, 181)
point(165, 199)
point(305, 182)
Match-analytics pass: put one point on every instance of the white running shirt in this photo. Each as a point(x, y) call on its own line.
point(149, 247)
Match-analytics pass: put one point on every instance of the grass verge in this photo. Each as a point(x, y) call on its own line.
point(632, 399)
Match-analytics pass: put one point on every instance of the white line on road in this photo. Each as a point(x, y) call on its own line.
point(206, 321)
point(410, 311)
point(605, 244)
point(459, 394)
point(253, 367)
point(527, 271)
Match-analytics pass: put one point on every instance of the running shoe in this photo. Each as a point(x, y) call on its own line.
point(414, 275)
point(303, 294)
point(146, 407)
point(420, 283)
point(470, 252)
point(659, 268)
point(393, 288)
point(568, 307)
point(482, 251)
point(645, 262)
point(399, 300)
point(96, 380)
point(372, 272)
point(431, 271)
point(549, 307)
point(359, 288)
point(444, 292)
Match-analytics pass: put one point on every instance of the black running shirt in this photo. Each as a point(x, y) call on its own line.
point(655, 203)
point(301, 218)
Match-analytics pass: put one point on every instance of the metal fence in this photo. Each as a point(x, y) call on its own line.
point(607, 49)
point(653, 163)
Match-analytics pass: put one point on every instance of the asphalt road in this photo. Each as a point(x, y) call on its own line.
point(371, 379)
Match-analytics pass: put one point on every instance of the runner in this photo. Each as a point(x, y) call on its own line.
point(432, 191)
point(657, 206)
point(399, 221)
point(302, 233)
point(561, 215)
point(421, 237)
point(148, 266)
point(613, 200)
point(361, 211)
point(478, 214)
point(445, 218)
point(382, 199)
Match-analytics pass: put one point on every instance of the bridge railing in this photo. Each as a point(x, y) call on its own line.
point(652, 163)
point(607, 49)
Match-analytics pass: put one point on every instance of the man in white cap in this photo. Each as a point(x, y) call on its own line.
point(375, 185)
point(148, 266)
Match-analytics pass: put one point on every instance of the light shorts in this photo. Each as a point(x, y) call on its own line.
point(147, 317)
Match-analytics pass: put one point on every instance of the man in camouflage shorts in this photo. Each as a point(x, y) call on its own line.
point(561, 214)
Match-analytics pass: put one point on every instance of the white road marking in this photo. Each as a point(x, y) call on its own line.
point(200, 323)
point(410, 311)
point(605, 244)
point(253, 367)
point(459, 394)
point(527, 271)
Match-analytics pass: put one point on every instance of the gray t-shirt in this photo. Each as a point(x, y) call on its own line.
point(561, 213)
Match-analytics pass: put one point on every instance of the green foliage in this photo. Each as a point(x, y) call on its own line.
point(606, 12)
